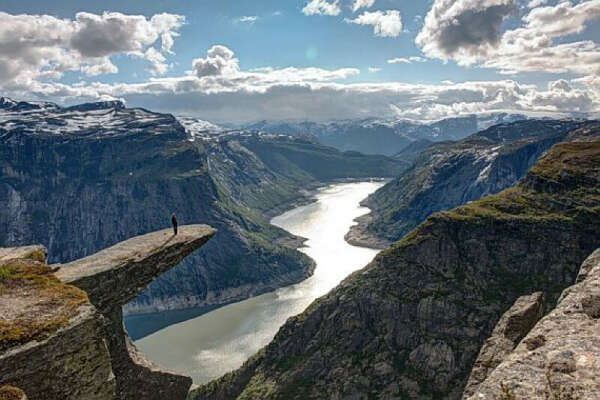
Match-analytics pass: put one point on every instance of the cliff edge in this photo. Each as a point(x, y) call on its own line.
point(61, 328)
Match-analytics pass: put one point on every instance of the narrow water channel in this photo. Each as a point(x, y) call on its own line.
point(219, 341)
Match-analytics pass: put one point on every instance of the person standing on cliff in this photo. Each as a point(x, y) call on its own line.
point(174, 222)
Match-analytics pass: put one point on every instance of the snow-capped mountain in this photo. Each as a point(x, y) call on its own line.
point(379, 136)
point(105, 118)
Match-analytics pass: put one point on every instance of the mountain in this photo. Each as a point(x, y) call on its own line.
point(81, 178)
point(448, 174)
point(410, 153)
point(411, 323)
point(388, 137)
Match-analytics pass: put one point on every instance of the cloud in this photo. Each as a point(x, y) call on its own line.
point(322, 7)
point(219, 61)
point(41, 47)
point(460, 28)
point(217, 89)
point(404, 60)
point(158, 61)
point(399, 60)
point(250, 19)
point(358, 4)
point(385, 23)
point(536, 3)
point(113, 33)
point(528, 48)
point(374, 69)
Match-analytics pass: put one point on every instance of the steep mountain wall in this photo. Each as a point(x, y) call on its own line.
point(450, 174)
point(411, 323)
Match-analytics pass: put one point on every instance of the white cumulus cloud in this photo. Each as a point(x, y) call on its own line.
point(470, 32)
point(219, 60)
point(41, 47)
point(460, 29)
point(358, 4)
point(385, 23)
point(322, 7)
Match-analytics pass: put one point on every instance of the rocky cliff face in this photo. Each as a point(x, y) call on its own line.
point(82, 178)
point(61, 327)
point(509, 331)
point(558, 359)
point(411, 323)
point(450, 174)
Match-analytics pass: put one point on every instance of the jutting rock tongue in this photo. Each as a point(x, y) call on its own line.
point(75, 347)
point(113, 277)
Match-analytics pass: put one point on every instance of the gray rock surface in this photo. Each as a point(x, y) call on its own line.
point(512, 327)
point(114, 276)
point(91, 356)
point(72, 364)
point(49, 347)
point(559, 357)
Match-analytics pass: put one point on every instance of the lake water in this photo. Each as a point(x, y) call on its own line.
point(219, 341)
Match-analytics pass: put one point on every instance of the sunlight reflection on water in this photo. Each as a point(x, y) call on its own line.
point(212, 344)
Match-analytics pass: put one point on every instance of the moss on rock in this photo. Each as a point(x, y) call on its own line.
point(39, 305)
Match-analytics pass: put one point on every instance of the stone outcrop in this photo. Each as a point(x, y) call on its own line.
point(559, 357)
point(119, 273)
point(52, 340)
point(86, 353)
point(410, 325)
point(512, 327)
point(73, 363)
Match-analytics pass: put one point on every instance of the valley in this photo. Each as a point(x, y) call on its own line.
point(300, 200)
point(219, 341)
point(279, 303)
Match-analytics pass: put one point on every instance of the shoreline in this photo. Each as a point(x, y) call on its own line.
point(358, 236)
point(215, 300)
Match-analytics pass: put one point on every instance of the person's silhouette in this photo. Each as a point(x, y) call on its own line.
point(174, 222)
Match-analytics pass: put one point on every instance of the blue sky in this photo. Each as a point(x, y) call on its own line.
point(483, 64)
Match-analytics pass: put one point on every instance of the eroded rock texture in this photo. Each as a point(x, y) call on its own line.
point(512, 327)
point(560, 356)
point(83, 351)
point(52, 340)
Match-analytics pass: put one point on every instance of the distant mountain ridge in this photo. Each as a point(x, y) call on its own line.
point(388, 137)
